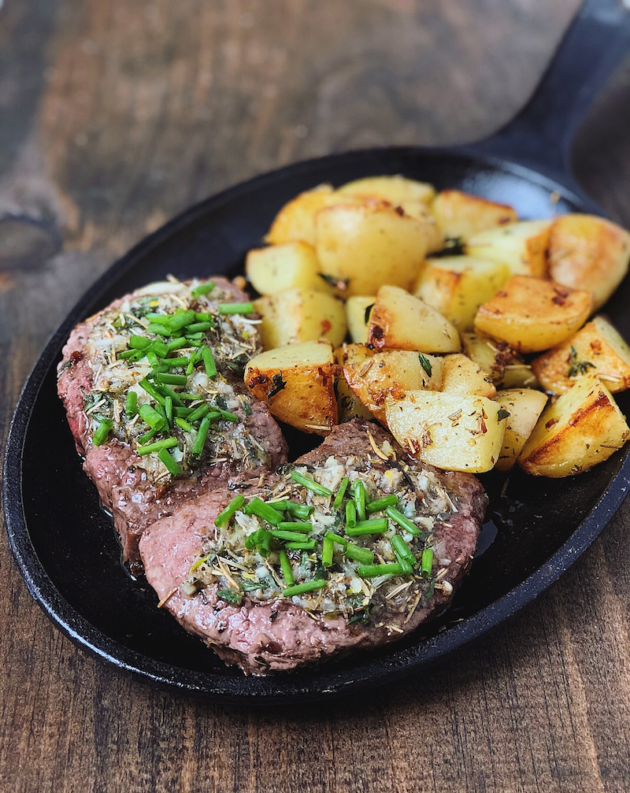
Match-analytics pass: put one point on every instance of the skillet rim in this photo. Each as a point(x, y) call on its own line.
point(210, 686)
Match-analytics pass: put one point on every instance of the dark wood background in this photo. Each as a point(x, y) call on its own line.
point(115, 115)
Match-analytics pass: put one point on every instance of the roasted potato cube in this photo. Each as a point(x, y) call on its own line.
point(461, 215)
point(364, 246)
point(524, 406)
point(506, 367)
point(451, 431)
point(394, 189)
point(596, 349)
point(463, 376)
point(296, 219)
point(391, 373)
point(457, 285)
point(402, 322)
point(421, 212)
point(349, 406)
point(292, 265)
point(297, 315)
point(358, 315)
point(532, 314)
point(582, 428)
point(521, 246)
point(298, 384)
point(587, 252)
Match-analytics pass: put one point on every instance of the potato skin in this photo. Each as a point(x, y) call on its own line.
point(463, 376)
point(296, 219)
point(356, 310)
point(532, 314)
point(298, 315)
point(524, 406)
point(588, 252)
point(291, 265)
point(393, 189)
point(461, 215)
point(521, 246)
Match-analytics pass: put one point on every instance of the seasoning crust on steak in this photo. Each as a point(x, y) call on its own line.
point(225, 584)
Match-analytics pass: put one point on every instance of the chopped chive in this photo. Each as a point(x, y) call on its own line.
point(258, 507)
point(285, 565)
point(300, 510)
point(264, 545)
point(191, 363)
point(193, 336)
point(341, 493)
point(202, 289)
point(227, 416)
point(161, 411)
point(184, 425)
point(279, 506)
point(151, 390)
point(327, 552)
point(308, 586)
point(378, 526)
point(251, 541)
point(427, 562)
point(171, 363)
point(189, 397)
point(172, 465)
point(402, 550)
point(208, 362)
point(159, 330)
point(373, 570)
point(290, 536)
point(167, 443)
point(159, 348)
point(131, 355)
point(293, 525)
point(360, 498)
point(101, 432)
point(306, 545)
point(236, 308)
point(168, 409)
point(182, 413)
point(161, 319)
point(131, 404)
point(225, 515)
point(402, 521)
point(351, 515)
point(204, 316)
point(178, 321)
point(151, 417)
point(381, 503)
point(153, 359)
point(336, 538)
point(139, 342)
point(193, 343)
point(199, 326)
point(200, 439)
point(309, 484)
point(171, 379)
point(359, 554)
point(176, 344)
point(166, 391)
point(199, 413)
point(144, 439)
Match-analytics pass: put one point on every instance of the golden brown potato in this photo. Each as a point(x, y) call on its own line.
point(421, 212)
point(457, 285)
point(532, 314)
point(292, 265)
point(582, 428)
point(505, 366)
point(298, 384)
point(390, 373)
point(591, 253)
point(596, 349)
point(461, 215)
point(297, 315)
point(402, 322)
point(357, 315)
point(296, 219)
point(349, 406)
point(524, 406)
point(463, 376)
point(521, 246)
point(394, 189)
point(363, 246)
point(451, 431)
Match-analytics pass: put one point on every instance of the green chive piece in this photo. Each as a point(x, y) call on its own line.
point(294, 525)
point(172, 465)
point(193, 343)
point(285, 565)
point(309, 484)
point(131, 404)
point(176, 344)
point(227, 416)
point(360, 498)
point(264, 545)
point(204, 316)
point(236, 308)
point(402, 521)
point(208, 361)
point(308, 586)
point(202, 289)
point(300, 510)
point(182, 413)
point(200, 439)
point(199, 413)
point(373, 570)
point(168, 409)
point(196, 327)
point(194, 336)
point(290, 536)
point(167, 443)
point(328, 548)
point(159, 348)
point(233, 507)
point(427, 562)
point(402, 550)
point(159, 330)
point(381, 503)
point(184, 425)
point(258, 507)
point(130, 355)
point(341, 493)
point(251, 541)
point(191, 363)
point(153, 360)
point(359, 554)
point(151, 417)
point(101, 432)
point(166, 391)
point(144, 439)
point(161, 319)
point(378, 526)
point(151, 390)
point(171, 379)
point(172, 363)
point(305, 545)
point(279, 506)
point(336, 538)
point(190, 397)
point(351, 515)
point(178, 321)
point(139, 342)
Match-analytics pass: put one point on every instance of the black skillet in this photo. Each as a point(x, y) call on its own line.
point(64, 544)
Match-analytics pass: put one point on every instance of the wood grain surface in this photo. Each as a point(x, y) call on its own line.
point(113, 117)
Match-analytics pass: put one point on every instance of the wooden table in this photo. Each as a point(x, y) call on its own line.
point(116, 115)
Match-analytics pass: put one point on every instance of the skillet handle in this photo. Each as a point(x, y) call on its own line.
point(541, 135)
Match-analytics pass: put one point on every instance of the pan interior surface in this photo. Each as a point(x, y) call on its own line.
point(65, 544)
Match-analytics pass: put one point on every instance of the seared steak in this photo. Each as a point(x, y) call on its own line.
point(226, 584)
point(128, 359)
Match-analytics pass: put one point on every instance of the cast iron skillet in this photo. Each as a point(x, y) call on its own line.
point(64, 544)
